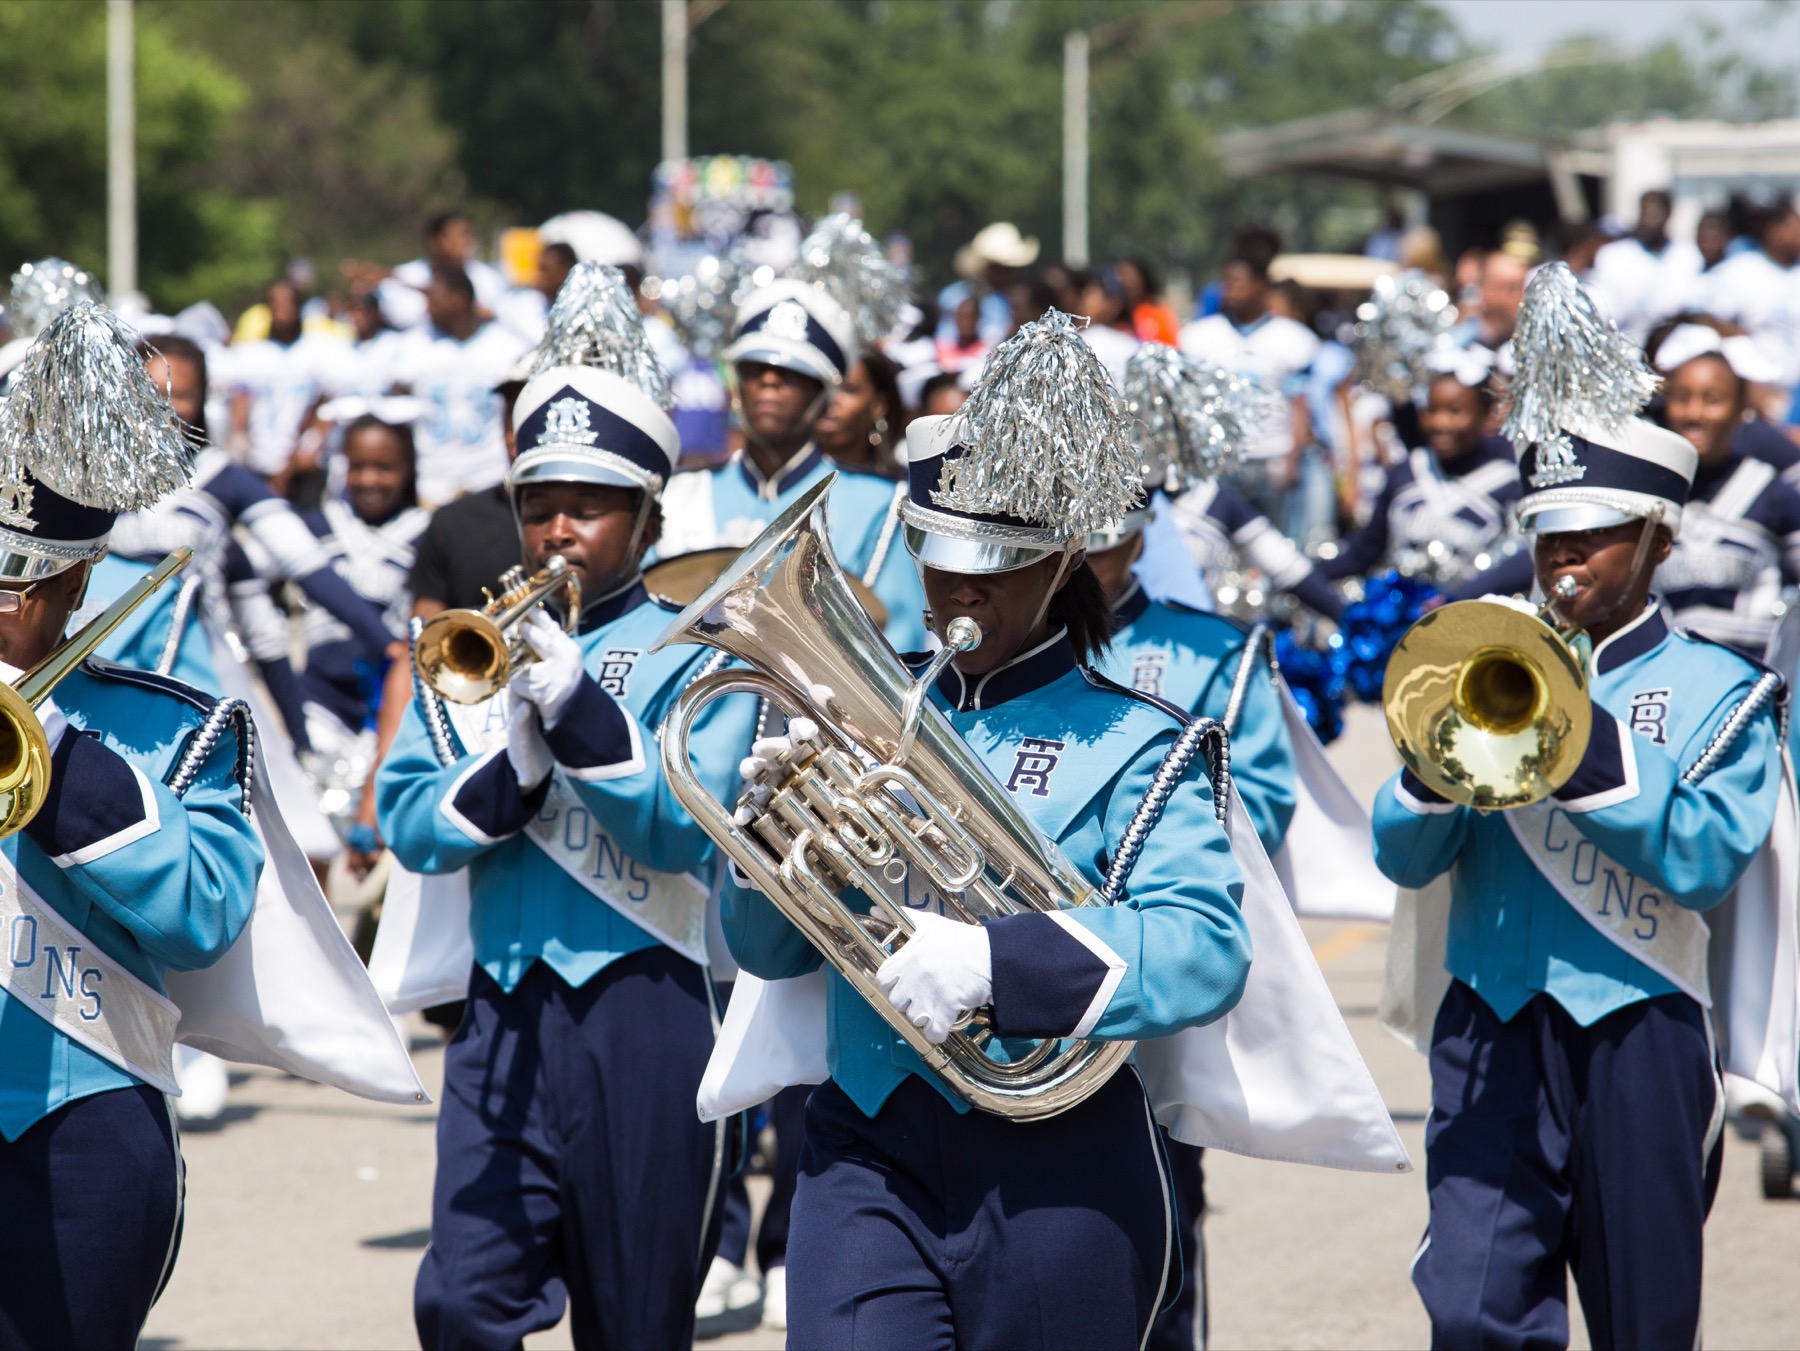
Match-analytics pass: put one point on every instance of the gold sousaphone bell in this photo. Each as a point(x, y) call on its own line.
point(1488, 704)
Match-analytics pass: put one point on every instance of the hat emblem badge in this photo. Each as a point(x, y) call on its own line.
point(15, 504)
point(788, 320)
point(567, 422)
point(1556, 465)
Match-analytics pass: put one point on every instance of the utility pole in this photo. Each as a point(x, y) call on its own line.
point(121, 154)
point(1075, 148)
point(674, 80)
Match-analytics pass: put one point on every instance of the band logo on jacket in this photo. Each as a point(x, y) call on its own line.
point(1650, 715)
point(1035, 763)
point(616, 665)
point(1147, 670)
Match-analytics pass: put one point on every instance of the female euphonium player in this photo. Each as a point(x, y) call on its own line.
point(919, 1222)
point(1575, 1096)
point(136, 866)
point(569, 1155)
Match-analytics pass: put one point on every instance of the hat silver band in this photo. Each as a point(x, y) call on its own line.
point(551, 463)
point(25, 558)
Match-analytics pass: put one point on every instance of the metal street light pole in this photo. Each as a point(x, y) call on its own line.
point(674, 80)
point(1075, 148)
point(121, 154)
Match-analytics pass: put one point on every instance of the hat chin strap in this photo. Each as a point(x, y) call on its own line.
point(1642, 556)
point(1063, 569)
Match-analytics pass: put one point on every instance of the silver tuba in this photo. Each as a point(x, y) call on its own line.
point(888, 796)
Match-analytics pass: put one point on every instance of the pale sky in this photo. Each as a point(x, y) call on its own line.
point(1770, 30)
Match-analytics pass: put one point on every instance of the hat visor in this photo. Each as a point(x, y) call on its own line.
point(1099, 541)
point(803, 358)
point(548, 464)
point(948, 553)
point(1574, 518)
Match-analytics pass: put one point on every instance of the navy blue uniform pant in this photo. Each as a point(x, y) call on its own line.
point(92, 1219)
point(787, 1115)
point(1556, 1148)
point(571, 1163)
point(927, 1229)
point(1182, 1325)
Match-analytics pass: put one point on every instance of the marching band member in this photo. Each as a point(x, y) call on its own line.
point(791, 347)
point(1575, 1095)
point(917, 1221)
point(568, 1110)
point(1219, 522)
point(137, 865)
point(1448, 502)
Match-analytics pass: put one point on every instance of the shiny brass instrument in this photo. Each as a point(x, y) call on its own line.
point(467, 655)
point(1489, 704)
point(681, 579)
point(24, 748)
point(889, 801)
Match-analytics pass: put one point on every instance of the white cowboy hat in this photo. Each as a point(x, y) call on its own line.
point(999, 243)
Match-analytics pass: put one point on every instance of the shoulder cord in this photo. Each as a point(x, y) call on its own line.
point(227, 714)
point(1198, 733)
point(1768, 687)
point(1261, 642)
point(184, 605)
point(431, 707)
point(714, 663)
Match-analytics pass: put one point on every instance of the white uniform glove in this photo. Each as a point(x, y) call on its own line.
point(945, 970)
point(526, 748)
point(549, 682)
point(764, 763)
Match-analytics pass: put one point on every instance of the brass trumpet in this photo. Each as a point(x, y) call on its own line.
point(467, 655)
point(890, 800)
point(24, 749)
point(1489, 705)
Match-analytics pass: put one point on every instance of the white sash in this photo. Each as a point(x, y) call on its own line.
point(52, 969)
point(1627, 911)
point(1278, 1077)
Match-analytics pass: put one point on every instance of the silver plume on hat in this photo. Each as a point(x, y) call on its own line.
point(843, 260)
point(595, 323)
point(1406, 318)
point(1193, 421)
point(43, 290)
point(84, 418)
point(1570, 366)
point(1046, 436)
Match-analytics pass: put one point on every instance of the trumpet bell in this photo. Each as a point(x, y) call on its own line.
point(24, 761)
point(464, 656)
point(1487, 705)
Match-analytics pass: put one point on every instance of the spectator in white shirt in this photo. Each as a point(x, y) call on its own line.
point(1246, 338)
point(1645, 277)
point(1759, 291)
point(274, 382)
point(453, 364)
point(449, 242)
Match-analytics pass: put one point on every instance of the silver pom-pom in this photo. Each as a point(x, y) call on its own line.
point(595, 322)
point(703, 304)
point(1570, 366)
point(843, 259)
point(85, 419)
point(1406, 318)
point(1193, 421)
point(1048, 438)
point(43, 290)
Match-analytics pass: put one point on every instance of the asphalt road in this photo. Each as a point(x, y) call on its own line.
point(307, 1210)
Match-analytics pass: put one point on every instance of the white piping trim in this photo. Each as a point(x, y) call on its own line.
point(1651, 608)
point(1109, 983)
point(1610, 797)
point(148, 824)
point(447, 805)
point(1163, 1167)
point(1419, 807)
point(981, 684)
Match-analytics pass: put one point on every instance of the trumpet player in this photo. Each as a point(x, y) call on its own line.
point(1576, 1103)
point(571, 1165)
point(919, 1221)
point(117, 881)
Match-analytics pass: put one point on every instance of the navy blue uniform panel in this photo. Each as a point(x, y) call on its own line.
point(1175, 1325)
point(571, 1164)
point(1553, 1144)
point(93, 1207)
point(929, 1229)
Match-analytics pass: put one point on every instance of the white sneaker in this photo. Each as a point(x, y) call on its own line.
point(726, 1290)
point(204, 1083)
point(775, 1299)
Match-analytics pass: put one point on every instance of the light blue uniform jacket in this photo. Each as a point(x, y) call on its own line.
point(1077, 758)
point(156, 882)
point(471, 814)
point(860, 509)
point(1659, 696)
point(1191, 660)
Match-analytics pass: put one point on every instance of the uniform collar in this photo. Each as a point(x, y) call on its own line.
point(1049, 660)
point(1631, 642)
point(1131, 606)
point(602, 610)
point(768, 489)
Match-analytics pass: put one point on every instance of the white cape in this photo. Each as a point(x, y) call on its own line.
point(1753, 958)
point(1278, 1077)
point(1331, 874)
point(423, 952)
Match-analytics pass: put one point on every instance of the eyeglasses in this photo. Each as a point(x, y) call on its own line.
point(13, 602)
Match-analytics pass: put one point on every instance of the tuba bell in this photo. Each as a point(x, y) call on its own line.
point(1488, 704)
point(467, 655)
point(888, 801)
